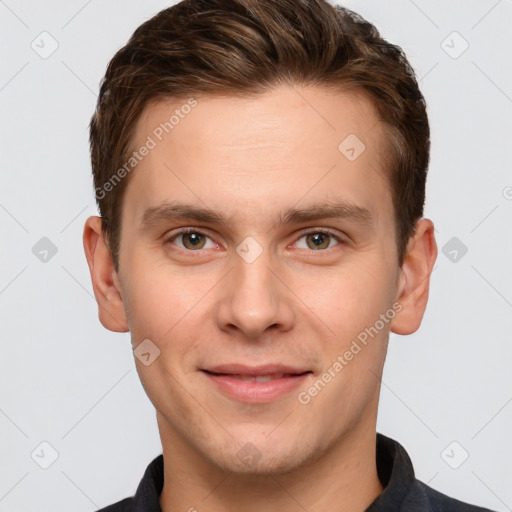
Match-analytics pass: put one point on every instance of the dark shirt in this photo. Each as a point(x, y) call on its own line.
point(402, 492)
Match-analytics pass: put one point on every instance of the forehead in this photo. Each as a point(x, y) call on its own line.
point(242, 122)
point(247, 154)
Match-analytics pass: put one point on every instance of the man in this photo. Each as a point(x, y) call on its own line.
point(260, 171)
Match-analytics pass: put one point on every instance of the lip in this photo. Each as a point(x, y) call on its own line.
point(264, 369)
point(237, 381)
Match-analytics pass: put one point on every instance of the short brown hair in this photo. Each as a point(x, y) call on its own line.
point(242, 47)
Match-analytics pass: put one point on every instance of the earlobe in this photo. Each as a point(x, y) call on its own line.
point(104, 278)
point(414, 279)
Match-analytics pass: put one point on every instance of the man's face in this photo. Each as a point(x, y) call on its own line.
point(295, 294)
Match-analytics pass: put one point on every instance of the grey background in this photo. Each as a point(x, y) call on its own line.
point(67, 381)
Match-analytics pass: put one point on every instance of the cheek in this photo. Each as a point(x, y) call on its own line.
point(155, 296)
point(170, 310)
point(152, 308)
point(163, 384)
point(350, 298)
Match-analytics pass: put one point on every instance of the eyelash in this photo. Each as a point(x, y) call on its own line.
point(324, 231)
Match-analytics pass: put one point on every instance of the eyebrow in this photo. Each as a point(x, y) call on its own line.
point(173, 211)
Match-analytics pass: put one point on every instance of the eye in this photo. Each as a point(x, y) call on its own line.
point(318, 240)
point(193, 240)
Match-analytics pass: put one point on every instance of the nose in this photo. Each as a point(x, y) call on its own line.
point(254, 300)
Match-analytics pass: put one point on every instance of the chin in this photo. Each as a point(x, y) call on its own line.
point(264, 456)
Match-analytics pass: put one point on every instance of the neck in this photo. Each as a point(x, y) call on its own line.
point(344, 478)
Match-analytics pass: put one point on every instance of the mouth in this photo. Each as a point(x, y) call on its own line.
point(258, 384)
point(258, 378)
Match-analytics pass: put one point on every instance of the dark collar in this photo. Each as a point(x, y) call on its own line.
point(396, 474)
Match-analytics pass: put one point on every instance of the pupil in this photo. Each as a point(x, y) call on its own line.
point(318, 239)
point(194, 238)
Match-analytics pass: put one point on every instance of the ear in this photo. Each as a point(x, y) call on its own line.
point(414, 278)
point(104, 278)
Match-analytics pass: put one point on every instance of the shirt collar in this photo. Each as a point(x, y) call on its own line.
point(396, 474)
point(147, 497)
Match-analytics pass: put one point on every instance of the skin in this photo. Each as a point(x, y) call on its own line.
point(249, 159)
